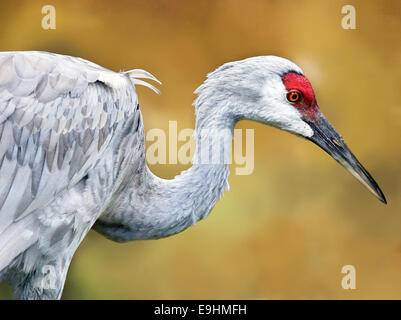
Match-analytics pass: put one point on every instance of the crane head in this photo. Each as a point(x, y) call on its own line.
point(301, 96)
point(274, 91)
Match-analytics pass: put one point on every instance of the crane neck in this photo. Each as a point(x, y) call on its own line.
point(179, 203)
point(151, 207)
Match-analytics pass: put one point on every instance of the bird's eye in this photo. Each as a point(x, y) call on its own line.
point(294, 96)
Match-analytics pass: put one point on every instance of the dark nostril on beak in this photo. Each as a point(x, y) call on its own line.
point(336, 143)
point(326, 137)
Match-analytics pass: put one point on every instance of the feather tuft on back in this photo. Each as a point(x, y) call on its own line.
point(137, 74)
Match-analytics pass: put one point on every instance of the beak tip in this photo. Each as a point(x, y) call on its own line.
point(379, 194)
point(327, 138)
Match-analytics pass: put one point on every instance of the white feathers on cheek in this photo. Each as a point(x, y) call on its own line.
point(278, 112)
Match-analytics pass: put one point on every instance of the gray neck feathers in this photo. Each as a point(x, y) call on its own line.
point(177, 204)
point(152, 207)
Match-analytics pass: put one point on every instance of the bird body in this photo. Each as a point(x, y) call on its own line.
point(72, 155)
point(66, 125)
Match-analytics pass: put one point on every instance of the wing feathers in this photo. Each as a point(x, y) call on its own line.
point(44, 123)
point(57, 116)
point(139, 73)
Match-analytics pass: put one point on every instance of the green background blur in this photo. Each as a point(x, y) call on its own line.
point(285, 231)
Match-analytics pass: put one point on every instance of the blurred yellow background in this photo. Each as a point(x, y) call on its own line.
point(285, 231)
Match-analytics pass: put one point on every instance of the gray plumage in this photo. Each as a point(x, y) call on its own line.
point(72, 156)
point(59, 116)
point(72, 153)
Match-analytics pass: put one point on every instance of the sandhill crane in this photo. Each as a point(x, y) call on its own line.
point(72, 155)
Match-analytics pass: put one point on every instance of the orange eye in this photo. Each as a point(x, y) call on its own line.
point(294, 96)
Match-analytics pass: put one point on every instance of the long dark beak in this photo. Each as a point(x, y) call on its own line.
point(326, 137)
